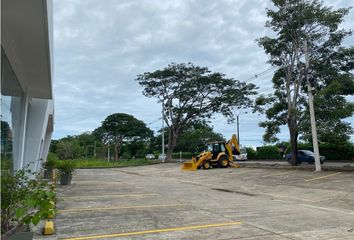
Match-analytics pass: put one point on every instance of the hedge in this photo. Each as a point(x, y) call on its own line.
point(330, 151)
point(333, 152)
point(185, 155)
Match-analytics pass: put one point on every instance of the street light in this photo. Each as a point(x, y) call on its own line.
point(238, 126)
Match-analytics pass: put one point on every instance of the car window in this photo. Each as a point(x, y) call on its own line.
point(210, 148)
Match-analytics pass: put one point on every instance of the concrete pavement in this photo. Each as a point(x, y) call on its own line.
point(163, 202)
point(282, 164)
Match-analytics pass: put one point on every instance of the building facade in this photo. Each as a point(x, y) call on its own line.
point(27, 111)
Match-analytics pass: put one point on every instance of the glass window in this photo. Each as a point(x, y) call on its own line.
point(210, 148)
point(216, 148)
point(11, 93)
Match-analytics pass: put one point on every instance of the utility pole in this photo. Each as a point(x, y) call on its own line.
point(238, 125)
point(108, 153)
point(238, 131)
point(163, 133)
point(312, 114)
point(94, 149)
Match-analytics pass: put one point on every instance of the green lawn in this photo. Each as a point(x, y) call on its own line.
point(101, 163)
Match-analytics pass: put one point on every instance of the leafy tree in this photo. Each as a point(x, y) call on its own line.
point(294, 22)
point(331, 107)
point(190, 93)
point(69, 148)
point(6, 146)
point(86, 138)
point(154, 143)
point(195, 137)
point(119, 128)
point(53, 146)
point(135, 148)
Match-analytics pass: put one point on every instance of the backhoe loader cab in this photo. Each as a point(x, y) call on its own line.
point(215, 148)
point(217, 154)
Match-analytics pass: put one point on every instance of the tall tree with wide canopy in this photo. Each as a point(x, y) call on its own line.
point(294, 22)
point(194, 138)
point(119, 128)
point(190, 93)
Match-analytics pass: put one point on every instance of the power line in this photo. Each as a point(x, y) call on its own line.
point(257, 75)
point(155, 121)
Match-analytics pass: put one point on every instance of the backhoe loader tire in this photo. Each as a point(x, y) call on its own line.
point(206, 165)
point(223, 162)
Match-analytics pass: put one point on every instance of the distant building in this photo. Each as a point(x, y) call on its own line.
point(26, 82)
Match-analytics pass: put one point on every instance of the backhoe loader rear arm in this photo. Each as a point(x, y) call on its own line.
point(232, 142)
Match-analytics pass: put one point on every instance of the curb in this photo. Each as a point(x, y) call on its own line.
point(103, 167)
point(345, 168)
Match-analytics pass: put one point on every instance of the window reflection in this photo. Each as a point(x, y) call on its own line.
point(11, 93)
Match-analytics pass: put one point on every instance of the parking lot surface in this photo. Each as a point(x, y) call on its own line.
point(162, 202)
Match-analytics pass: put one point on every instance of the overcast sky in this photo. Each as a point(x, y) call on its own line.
point(100, 47)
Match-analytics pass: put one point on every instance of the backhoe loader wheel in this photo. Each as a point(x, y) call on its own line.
point(223, 162)
point(206, 165)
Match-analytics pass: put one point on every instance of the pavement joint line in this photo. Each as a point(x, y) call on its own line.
point(112, 195)
point(277, 174)
point(289, 198)
point(156, 231)
point(85, 184)
point(117, 208)
point(238, 172)
point(329, 209)
point(326, 176)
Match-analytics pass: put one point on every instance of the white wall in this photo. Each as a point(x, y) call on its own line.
point(27, 41)
point(36, 129)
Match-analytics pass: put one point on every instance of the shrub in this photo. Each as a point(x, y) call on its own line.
point(251, 153)
point(127, 155)
point(268, 152)
point(24, 200)
point(52, 156)
point(140, 153)
point(6, 162)
point(50, 164)
point(185, 155)
point(332, 151)
point(66, 166)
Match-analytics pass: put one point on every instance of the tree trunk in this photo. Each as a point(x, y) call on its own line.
point(293, 130)
point(117, 148)
point(116, 155)
point(172, 141)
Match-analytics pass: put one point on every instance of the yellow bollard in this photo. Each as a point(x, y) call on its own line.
point(48, 228)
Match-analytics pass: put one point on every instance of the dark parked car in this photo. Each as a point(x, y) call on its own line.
point(305, 156)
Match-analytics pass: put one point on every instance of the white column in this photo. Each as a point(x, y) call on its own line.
point(36, 129)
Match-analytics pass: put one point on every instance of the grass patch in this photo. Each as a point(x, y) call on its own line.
point(102, 163)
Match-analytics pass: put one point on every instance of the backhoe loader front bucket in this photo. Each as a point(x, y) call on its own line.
point(190, 166)
point(234, 165)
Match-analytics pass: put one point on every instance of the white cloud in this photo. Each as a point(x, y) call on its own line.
point(100, 47)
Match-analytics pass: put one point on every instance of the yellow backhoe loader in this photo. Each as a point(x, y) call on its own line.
point(218, 154)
